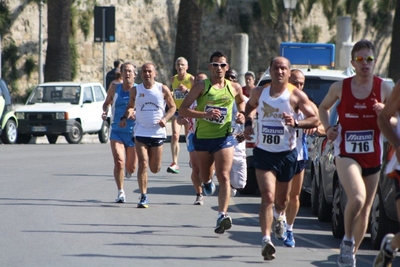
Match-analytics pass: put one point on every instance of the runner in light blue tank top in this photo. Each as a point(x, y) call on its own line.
point(121, 99)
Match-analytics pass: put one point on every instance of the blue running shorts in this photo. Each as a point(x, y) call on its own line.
point(122, 137)
point(300, 166)
point(189, 142)
point(212, 145)
point(283, 163)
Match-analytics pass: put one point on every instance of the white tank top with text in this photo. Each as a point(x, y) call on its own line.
point(273, 134)
point(150, 109)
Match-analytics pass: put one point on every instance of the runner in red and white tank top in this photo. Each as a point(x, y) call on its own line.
point(359, 137)
point(357, 143)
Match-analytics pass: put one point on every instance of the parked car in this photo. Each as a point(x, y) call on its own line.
point(316, 86)
point(383, 216)
point(329, 198)
point(70, 109)
point(323, 173)
point(8, 121)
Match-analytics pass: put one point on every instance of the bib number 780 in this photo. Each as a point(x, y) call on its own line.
point(271, 139)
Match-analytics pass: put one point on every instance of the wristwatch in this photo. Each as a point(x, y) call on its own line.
point(296, 124)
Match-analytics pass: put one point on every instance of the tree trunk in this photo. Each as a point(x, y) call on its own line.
point(188, 34)
point(58, 56)
point(394, 66)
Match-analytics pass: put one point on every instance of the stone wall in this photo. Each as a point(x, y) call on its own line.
point(146, 32)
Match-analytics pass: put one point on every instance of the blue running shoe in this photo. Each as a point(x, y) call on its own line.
point(346, 257)
point(224, 222)
point(289, 241)
point(143, 201)
point(209, 188)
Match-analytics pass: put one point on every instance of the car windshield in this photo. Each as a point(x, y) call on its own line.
point(55, 94)
point(315, 87)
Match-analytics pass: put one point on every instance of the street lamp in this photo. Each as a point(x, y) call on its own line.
point(40, 43)
point(290, 5)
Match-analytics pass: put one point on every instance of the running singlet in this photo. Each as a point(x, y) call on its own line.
point(359, 137)
point(302, 150)
point(273, 134)
point(214, 98)
point(150, 109)
point(192, 121)
point(178, 94)
point(120, 102)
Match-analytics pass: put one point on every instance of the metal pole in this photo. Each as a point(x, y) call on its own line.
point(104, 47)
point(40, 43)
point(0, 56)
point(290, 25)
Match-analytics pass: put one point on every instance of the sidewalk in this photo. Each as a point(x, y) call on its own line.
point(93, 138)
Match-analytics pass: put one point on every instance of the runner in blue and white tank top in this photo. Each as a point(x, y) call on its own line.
point(297, 78)
point(122, 145)
point(120, 102)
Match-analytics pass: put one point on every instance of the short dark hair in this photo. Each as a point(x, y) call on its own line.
point(117, 63)
point(217, 54)
point(129, 63)
point(360, 45)
point(231, 74)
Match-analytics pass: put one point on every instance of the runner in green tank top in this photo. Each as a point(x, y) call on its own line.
point(213, 140)
point(215, 98)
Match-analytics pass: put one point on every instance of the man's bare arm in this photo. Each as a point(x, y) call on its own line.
point(169, 100)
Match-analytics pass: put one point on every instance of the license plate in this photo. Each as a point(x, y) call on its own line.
point(39, 129)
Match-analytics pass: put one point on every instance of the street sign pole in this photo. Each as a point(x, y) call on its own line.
point(104, 30)
point(104, 48)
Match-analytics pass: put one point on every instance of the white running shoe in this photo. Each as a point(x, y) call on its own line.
point(121, 197)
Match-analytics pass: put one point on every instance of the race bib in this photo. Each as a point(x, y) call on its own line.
point(359, 142)
point(179, 95)
point(221, 119)
point(273, 135)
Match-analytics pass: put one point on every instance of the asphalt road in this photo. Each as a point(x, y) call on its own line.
point(57, 209)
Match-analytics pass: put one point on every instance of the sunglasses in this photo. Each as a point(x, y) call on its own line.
point(232, 77)
point(368, 59)
point(216, 65)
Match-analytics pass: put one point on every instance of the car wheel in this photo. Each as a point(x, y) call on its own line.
point(379, 223)
point(104, 133)
point(314, 195)
point(52, 138)
point(305, 199)
point(75, 134)
point(324, 209)
point(9, 135)
point(23, 138)
point(337, 213)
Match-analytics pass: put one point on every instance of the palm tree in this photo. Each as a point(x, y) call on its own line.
point(189, 32)
point(190, 16)
point(58, 56)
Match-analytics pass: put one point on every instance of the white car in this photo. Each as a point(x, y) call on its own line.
point(70, 109)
